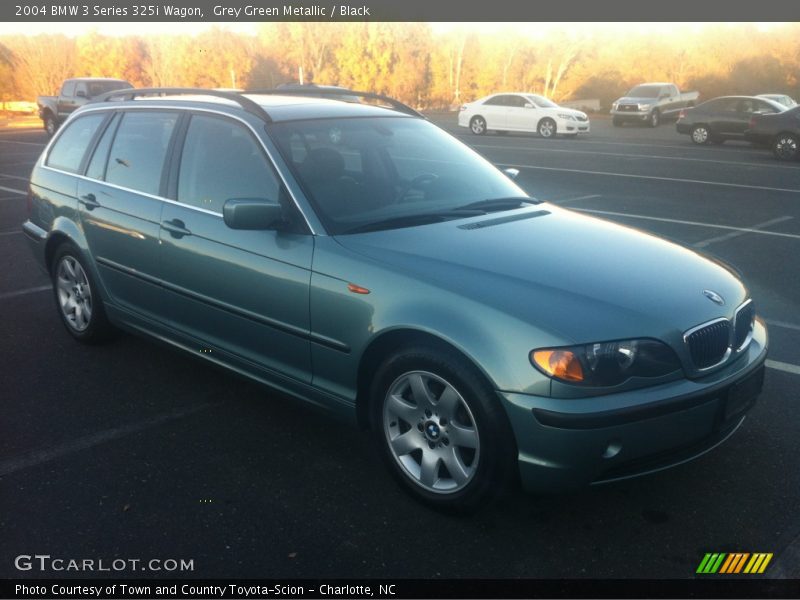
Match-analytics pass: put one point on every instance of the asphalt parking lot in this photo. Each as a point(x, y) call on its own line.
point(132, 450)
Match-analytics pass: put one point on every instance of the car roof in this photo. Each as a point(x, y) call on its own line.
point(95, 79)
point(279, 107)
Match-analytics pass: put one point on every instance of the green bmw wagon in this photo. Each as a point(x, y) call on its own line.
point(356, 256)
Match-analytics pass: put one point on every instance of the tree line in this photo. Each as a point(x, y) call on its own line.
point(418, 65)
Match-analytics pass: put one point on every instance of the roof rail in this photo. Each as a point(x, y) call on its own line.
point(331, 91)
point(246, 103)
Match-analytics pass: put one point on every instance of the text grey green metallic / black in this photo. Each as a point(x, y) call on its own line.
point(358, 257)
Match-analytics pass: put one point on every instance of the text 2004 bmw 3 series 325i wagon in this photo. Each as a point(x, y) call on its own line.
point(361, 258)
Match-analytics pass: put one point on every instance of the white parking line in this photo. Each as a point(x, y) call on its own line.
point(13, 190)
point(2, 141)
point(5, 233)
point(782, 366)
point(735, 234)
point(653, 177)
point(32, 459)
point(783, 324)
point(6, 176)
point(773, 165)
point(25, 292)
point(793, 236)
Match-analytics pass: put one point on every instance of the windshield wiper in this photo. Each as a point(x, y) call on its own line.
point(497, 204)
point(417, 219)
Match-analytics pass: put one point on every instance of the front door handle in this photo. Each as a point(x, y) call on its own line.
point(89, 201)
point(176, 228)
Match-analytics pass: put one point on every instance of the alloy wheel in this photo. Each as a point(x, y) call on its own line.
point(431, 432)
point(74, 293)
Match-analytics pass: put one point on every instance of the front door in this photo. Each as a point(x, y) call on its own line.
point(245, 293)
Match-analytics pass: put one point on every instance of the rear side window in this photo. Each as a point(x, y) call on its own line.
point(68, 150)
point(97, 166)
point(136, 160)
point(221, 160)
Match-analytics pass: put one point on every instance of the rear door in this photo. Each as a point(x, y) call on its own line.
point(120, 207)
point(244, 294)
point(495, 111)
point(518, 117)
point(724, 116)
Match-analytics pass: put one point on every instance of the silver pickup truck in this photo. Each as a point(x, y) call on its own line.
point(650, 103)
point(54, 110)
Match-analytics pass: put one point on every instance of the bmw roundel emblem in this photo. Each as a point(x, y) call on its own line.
point(714, 297)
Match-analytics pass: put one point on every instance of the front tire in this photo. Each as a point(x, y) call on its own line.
point(655, 119)
point(77, 297)
point(785, 146)
point(547, 128)
point(617, 122)
point(477, 125)
point(440, 429)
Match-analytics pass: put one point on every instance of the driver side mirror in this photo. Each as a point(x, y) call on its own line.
point(529, 105)
point(252, 213)
point(80, 94)
point(511, 173)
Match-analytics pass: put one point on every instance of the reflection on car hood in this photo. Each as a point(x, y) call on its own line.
point(634, 100)
point(584, 278)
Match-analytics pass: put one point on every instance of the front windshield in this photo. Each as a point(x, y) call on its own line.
point(644, 91)
point(542, 102)
point(361, 171)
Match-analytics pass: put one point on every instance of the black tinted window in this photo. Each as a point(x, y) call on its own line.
point(497, 101)
point(97, 166)
point(137, 155)
point(720, 105)
point(68, 150)
point(222, 160)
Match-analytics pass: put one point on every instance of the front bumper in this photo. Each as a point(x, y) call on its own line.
point(629, 115)
point(572, 127)
point(568, 444)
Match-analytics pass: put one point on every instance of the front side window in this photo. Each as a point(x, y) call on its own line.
point(221, 160)
point(68, 89)
point(362, 171)
point(136, 160)
point(542, 102)
point(68, 150)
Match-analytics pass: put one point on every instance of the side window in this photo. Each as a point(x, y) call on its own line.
point(136, 160)
point(68, 89)
point(222, 160)
point(765, 108)
point(68, 150)
point(81, 87)
point(496, 101)
point(97, 166)
point(517, 101)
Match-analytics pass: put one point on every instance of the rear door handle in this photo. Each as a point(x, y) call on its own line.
point(89, 201)
point(176, 228)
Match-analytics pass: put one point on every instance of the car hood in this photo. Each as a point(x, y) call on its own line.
point(568, 111)
point(635, 100)
point(578, 277)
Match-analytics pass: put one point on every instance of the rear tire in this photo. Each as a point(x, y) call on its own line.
point(785, 146)
point(440, 429)
point(50, 125)
point(700, 134)
point(477, 125)
point(77, 297)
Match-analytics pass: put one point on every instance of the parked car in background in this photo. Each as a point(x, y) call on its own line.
point(364, 260)
point(650, 103)
point(787, 101)
point(779, 131)
point(521, 111)
point(53, 110)
point(723, 118)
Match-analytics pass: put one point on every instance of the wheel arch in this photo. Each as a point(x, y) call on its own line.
point(383, 345)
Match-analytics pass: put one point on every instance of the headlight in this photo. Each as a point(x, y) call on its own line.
point(566, 117)
point(606, 363)
point(643, 107)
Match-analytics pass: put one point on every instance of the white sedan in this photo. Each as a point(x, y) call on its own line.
point(522, 112)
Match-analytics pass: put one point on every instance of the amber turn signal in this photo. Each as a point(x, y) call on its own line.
point(561, 364)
